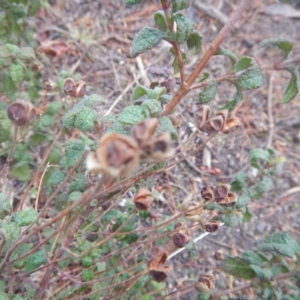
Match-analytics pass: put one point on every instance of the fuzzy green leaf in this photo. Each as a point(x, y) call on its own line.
point(132, 2)
point(79, 185)
point(184, 28)
point(238, 183)
point(26, 53)
point(11, 231)
point(74, 150)
point(227, 53)
point(252, 258)
point(244, 63)
point(293, 88)
point(261, 273)
point(180, 5)
point(133, 114)
point(138, 92)
point(231, 220)
point(85, 119)
point(56, 177)
point(23, 248)
point(165, 124)
point(160, 20)
point(24, 217)
point(21, 171)
point(153, 106)
point(34, 7)
point(251, 78)
point(35, 260)
point(194, 41)
point(5, 205)
point(238, 268)
point(16, 72)
point(280, 243)
point(5, 126)
point(175, 63)
point(262, 186)
point(7, 50)
point(258, 154)
point(283, 44)
point(231, 105)
point(209, 90)
point(145, 40)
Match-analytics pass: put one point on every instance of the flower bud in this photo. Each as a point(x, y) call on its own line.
point(143, 199)
point(213, 125)
point(20, 112)
point(207, 193)
point(69, 87)
point(230, 200)
point(206, 283)
point(221, 192)
point(143, 131)
point(231, 125)
point(80, 89)
point(202, 115)
point(117, 154)
point(181, 236)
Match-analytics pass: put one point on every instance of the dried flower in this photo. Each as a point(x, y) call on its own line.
point(21, 112)
point(80, 89)
point(231, 125)
point(230, 200)
point(213, 125)
point(69, 87)
point(143, 199)
point(207, 193)
point(177, 119)
point(117, 154)
point(160, 273)
point(221, 192)
point(181, 235)
point(192, 210)
point(143, 130)
point(211, 226)
point(202, 115)
point(205, 283)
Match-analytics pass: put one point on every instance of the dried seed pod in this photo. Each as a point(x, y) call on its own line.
point(206, 283)
point(92, 164)
point(80, 89)
point(224, 115)
point(192, 210)
point(143, 199)
point(202, 115)
point(160, 273)
point(211, 226)
point(69, 87)
point(143, 131)
point(221, 192)
point(213, 125)
point(157, 148)
point(219, 255)
point(177, 119)
point(181, 235)
point(156, 256)
point(230, 200)
point(118, 154)
point(21, 112)
point(210, 214)
point(231, 125)
point(207, 193)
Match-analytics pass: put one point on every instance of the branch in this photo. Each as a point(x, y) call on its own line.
point(206, 57)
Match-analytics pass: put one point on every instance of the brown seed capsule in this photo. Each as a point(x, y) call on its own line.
point(181, 236)
point(177, 119)
point(231, 125)
point(69, 87)
point(230, 200)
point(118, 154)
point(221, 192)
point(160, 273)
point(213, 125)
point(212, 226)
point(219, 255)
point(192, 210)
point(143, 131)
point(156, 256)
point(207, 193)
point(143, 199)
point(202, 115)
point(224, 115)
point(206, 283)
point(210, 214)
point(80, 89)
point(21, 112)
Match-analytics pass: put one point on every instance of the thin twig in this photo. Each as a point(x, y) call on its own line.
point(270, 111)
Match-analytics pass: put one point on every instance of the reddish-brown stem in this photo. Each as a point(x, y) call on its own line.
point(206, 57)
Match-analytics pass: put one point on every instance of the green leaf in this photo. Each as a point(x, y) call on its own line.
point(231, 220)
point(37, 138)
point(238, 268)
point(251, 78)
point(3, 295)
point(24, 217)
point(231, 105)
point(53, 108)
point(184, 28)
point(138, 92)
point(133, 114)
point(160, 20)
point(165, 124)
point(252, 258)
point(5, 126)
point(259, 154)
point(74, 150)
point(16, 72)
point(293, 88)
point(22, 249)
point(132, 2)
point(34, 7)
point(85, 119)
point(55, 155)
point(227, 53)
point(4, 35)
point(280, 243)
point(283, 44)
point(35, 260)
point(244, 63)
point(145, 40)
point(243, 200)
point(238, 183)
point(180, 5)
point(5, 205)
point(175, 63)
point(261, 273)
point(194, 41)
point(56, 177)
point(209, 90)
point(153, 106)
point(26, 53)
point(247, 216)
point(11, 231)
point(45, 121)
point(79, 185)
point(21, 171)
point(262, 186)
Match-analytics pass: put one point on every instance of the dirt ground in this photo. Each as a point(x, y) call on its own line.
point(92, 38)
